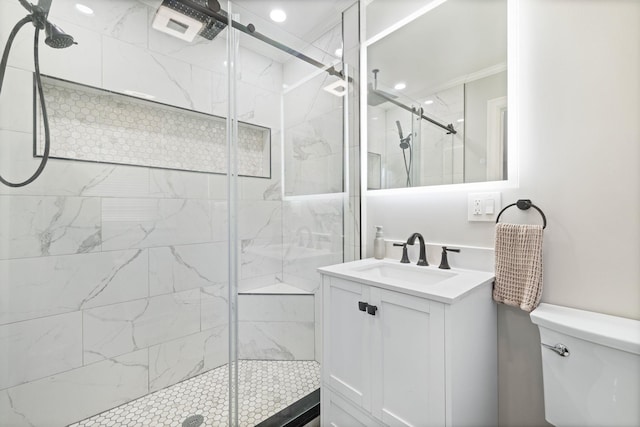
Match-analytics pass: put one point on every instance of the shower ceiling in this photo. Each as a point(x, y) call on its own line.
point(306, 19)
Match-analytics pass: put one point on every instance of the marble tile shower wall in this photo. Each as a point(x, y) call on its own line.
point(313, 125)
point(316, 206)
point(314, 152)
point(113, 278)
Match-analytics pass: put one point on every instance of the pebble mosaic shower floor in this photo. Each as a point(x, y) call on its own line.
point(265, 386)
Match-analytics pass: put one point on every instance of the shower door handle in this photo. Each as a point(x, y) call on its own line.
point(561, 349)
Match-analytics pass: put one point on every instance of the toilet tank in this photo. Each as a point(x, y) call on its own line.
point(597, 381)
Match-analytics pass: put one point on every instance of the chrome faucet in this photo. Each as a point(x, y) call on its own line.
point(422, 259)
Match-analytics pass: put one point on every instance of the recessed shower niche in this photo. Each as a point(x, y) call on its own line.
point(97, 125)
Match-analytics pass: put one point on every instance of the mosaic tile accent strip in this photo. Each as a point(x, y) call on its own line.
point(95, 125)
point(266, 387)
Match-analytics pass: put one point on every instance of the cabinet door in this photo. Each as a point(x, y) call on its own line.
point(337, 412)
point(408, 370)
point(346, 359)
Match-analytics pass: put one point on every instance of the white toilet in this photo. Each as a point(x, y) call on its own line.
point(591, 367)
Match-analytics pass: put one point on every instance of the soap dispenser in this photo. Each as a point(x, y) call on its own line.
point(378, 244)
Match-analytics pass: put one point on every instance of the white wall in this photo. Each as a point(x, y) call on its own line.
point(477, 93)
point(579, 160)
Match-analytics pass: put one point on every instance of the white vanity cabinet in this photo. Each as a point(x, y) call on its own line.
point(410, 361)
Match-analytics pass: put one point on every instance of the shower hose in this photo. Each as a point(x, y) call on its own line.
point(407, 167)
point(45, 119)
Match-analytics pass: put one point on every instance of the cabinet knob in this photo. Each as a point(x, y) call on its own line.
point(371, 309)
point(362, 306)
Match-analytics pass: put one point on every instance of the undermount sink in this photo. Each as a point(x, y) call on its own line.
point(424, 281)
point(406, 272)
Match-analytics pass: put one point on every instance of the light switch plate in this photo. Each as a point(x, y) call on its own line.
point(483, 206)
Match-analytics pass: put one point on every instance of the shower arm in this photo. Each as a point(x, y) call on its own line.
point(26, 5)
point(250, 30)
point(449, 128)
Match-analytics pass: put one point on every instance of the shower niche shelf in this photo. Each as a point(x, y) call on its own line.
point(97, 125)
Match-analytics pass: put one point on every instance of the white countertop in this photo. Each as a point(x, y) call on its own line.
point(448, 290)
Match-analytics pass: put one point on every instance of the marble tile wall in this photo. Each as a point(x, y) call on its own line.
point(314, 237)
point(276, 327)
point(321, 206)
point(65, 397)
point(313, 126)
point(146, 307)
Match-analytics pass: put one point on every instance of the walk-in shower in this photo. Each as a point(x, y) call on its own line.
point(154, 273)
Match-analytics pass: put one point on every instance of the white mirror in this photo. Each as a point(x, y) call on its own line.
point(437, 95)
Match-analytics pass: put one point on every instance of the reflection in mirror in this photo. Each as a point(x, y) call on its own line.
point(437, 97)
point(374, 171)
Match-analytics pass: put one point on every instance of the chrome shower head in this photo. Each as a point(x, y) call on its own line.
point(399, 129)
point(56, 38)
point(404, 142)
point(39, 13)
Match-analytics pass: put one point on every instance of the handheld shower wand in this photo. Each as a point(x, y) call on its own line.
point(55, 38)
point(399, 129)
point(405, 142)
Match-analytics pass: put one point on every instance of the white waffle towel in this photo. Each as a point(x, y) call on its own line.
point(518, 265)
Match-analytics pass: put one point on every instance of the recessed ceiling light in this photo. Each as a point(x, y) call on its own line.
point(84, 9)
point(460, 120)
point(400, 86)
point(338, 51)
point(278, 15)
point(428, 101)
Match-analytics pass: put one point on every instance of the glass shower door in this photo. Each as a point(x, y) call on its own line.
point(289, 223)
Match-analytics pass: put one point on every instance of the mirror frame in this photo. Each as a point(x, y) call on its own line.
point(512, 103)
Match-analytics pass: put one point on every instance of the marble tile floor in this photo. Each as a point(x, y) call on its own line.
point(265, 387)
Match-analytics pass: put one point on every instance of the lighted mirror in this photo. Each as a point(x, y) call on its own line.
point(437, 96)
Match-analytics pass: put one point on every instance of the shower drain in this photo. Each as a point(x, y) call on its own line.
point(193, 421)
